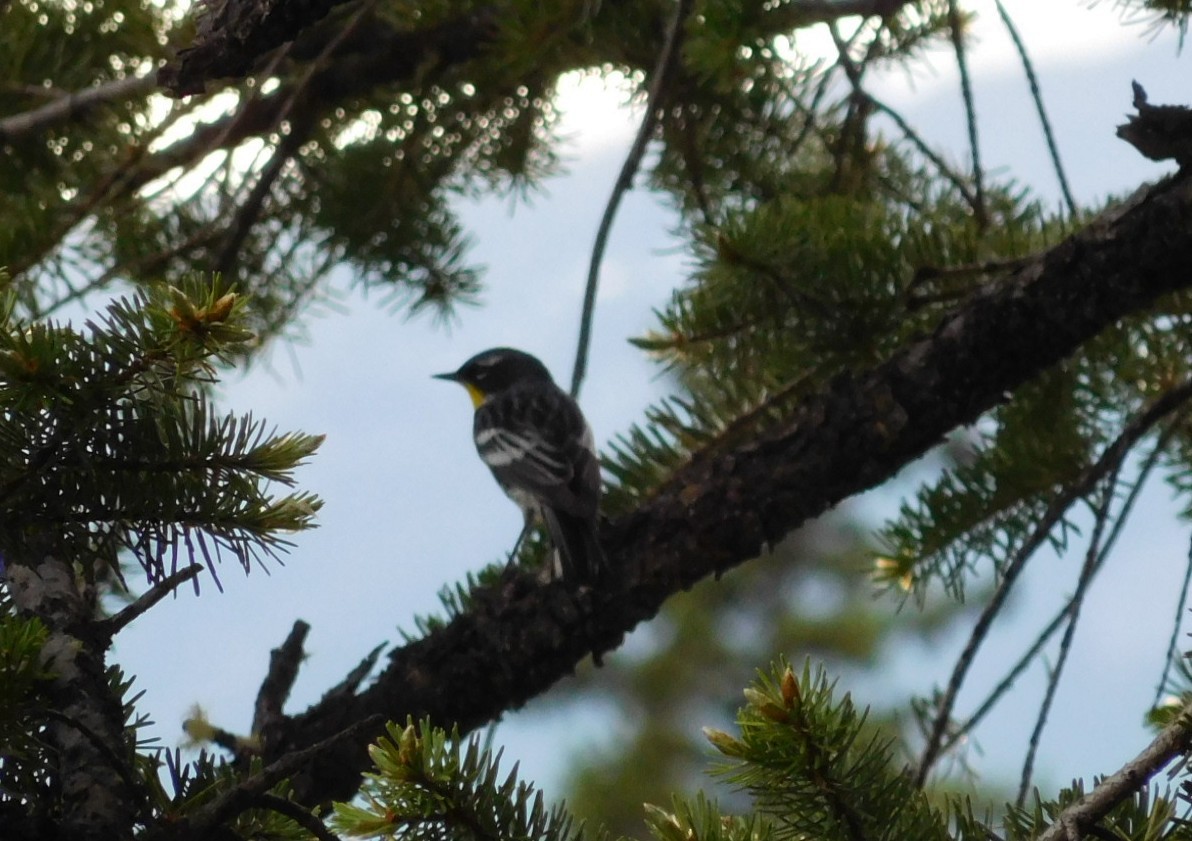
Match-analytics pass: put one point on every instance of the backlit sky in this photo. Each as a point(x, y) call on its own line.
point(410, 508)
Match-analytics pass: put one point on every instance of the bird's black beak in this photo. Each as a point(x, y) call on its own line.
point(452, 377)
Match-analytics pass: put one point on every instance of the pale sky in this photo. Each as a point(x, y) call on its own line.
point(410, 509)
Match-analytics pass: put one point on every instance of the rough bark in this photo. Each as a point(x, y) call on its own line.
point(723, 509)
point(234, 35)
point(95, 799)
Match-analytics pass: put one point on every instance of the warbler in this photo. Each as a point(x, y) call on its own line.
point(535, 440)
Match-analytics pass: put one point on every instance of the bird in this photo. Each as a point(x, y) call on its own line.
point(540, 449)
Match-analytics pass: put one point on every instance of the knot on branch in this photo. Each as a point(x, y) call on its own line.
point(1159, 132)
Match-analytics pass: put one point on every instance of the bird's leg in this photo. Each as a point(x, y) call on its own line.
point(521, 537)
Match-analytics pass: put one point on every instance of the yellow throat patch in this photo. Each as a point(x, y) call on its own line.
point(478, 396)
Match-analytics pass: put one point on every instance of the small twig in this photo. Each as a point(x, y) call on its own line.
point(1087, 571)
point(1133, 432)
point(1177, 621)
point(354, 678)
point(667, 60)
point(242, 797)
point(250, 209)
point(1037, 96)
point(297, 813)
point(956, 27)
point(71, 105)
point(1159, 132)
point(695, 167)
point(1173, 740)
point(908, 131)
point(1045, 635)
point(115, 624)
point(279, 680)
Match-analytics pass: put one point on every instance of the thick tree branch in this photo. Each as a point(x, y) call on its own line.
point(234, 35)
point(225, 51)
point(96, 799)
point(725, 508)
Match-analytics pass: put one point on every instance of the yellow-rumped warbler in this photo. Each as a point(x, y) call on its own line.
point(534, 438)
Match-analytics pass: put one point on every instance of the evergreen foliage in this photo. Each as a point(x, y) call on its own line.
point(814, 768)
point(110, 442)
point(428, 784)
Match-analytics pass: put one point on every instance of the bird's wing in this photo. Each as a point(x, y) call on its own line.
point(540, 444)
point(523, 456)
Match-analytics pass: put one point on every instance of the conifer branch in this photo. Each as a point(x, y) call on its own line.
point(1042, 638)
point(235, 34)
point(297, 813)
point(722, 508)
point(246, 794)
point(283, 671)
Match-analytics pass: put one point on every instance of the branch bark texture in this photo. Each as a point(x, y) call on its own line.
point(234, 35)
point(725, 508)
point(86, 733)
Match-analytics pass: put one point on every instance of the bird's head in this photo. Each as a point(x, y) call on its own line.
point(497, 370)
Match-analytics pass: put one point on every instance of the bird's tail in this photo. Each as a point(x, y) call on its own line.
point(580, 557)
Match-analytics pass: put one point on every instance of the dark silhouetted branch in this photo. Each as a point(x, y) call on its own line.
point(115, 624)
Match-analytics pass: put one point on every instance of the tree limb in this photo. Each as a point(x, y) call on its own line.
point(96, 800)
point(724, 508)
point(233, 35)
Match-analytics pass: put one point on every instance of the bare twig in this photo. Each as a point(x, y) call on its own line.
point(250, 211)
point(1045, 635)
point(661, 76)
point(297, 813)
point(1037, 96)
point(1111, 456)
point(242, 797)
point(1087, 571)
point(115, 624)
point(72, 105)
point(1176, 622)
point(283, 671)
point(1172, 741)
point(956, 27)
